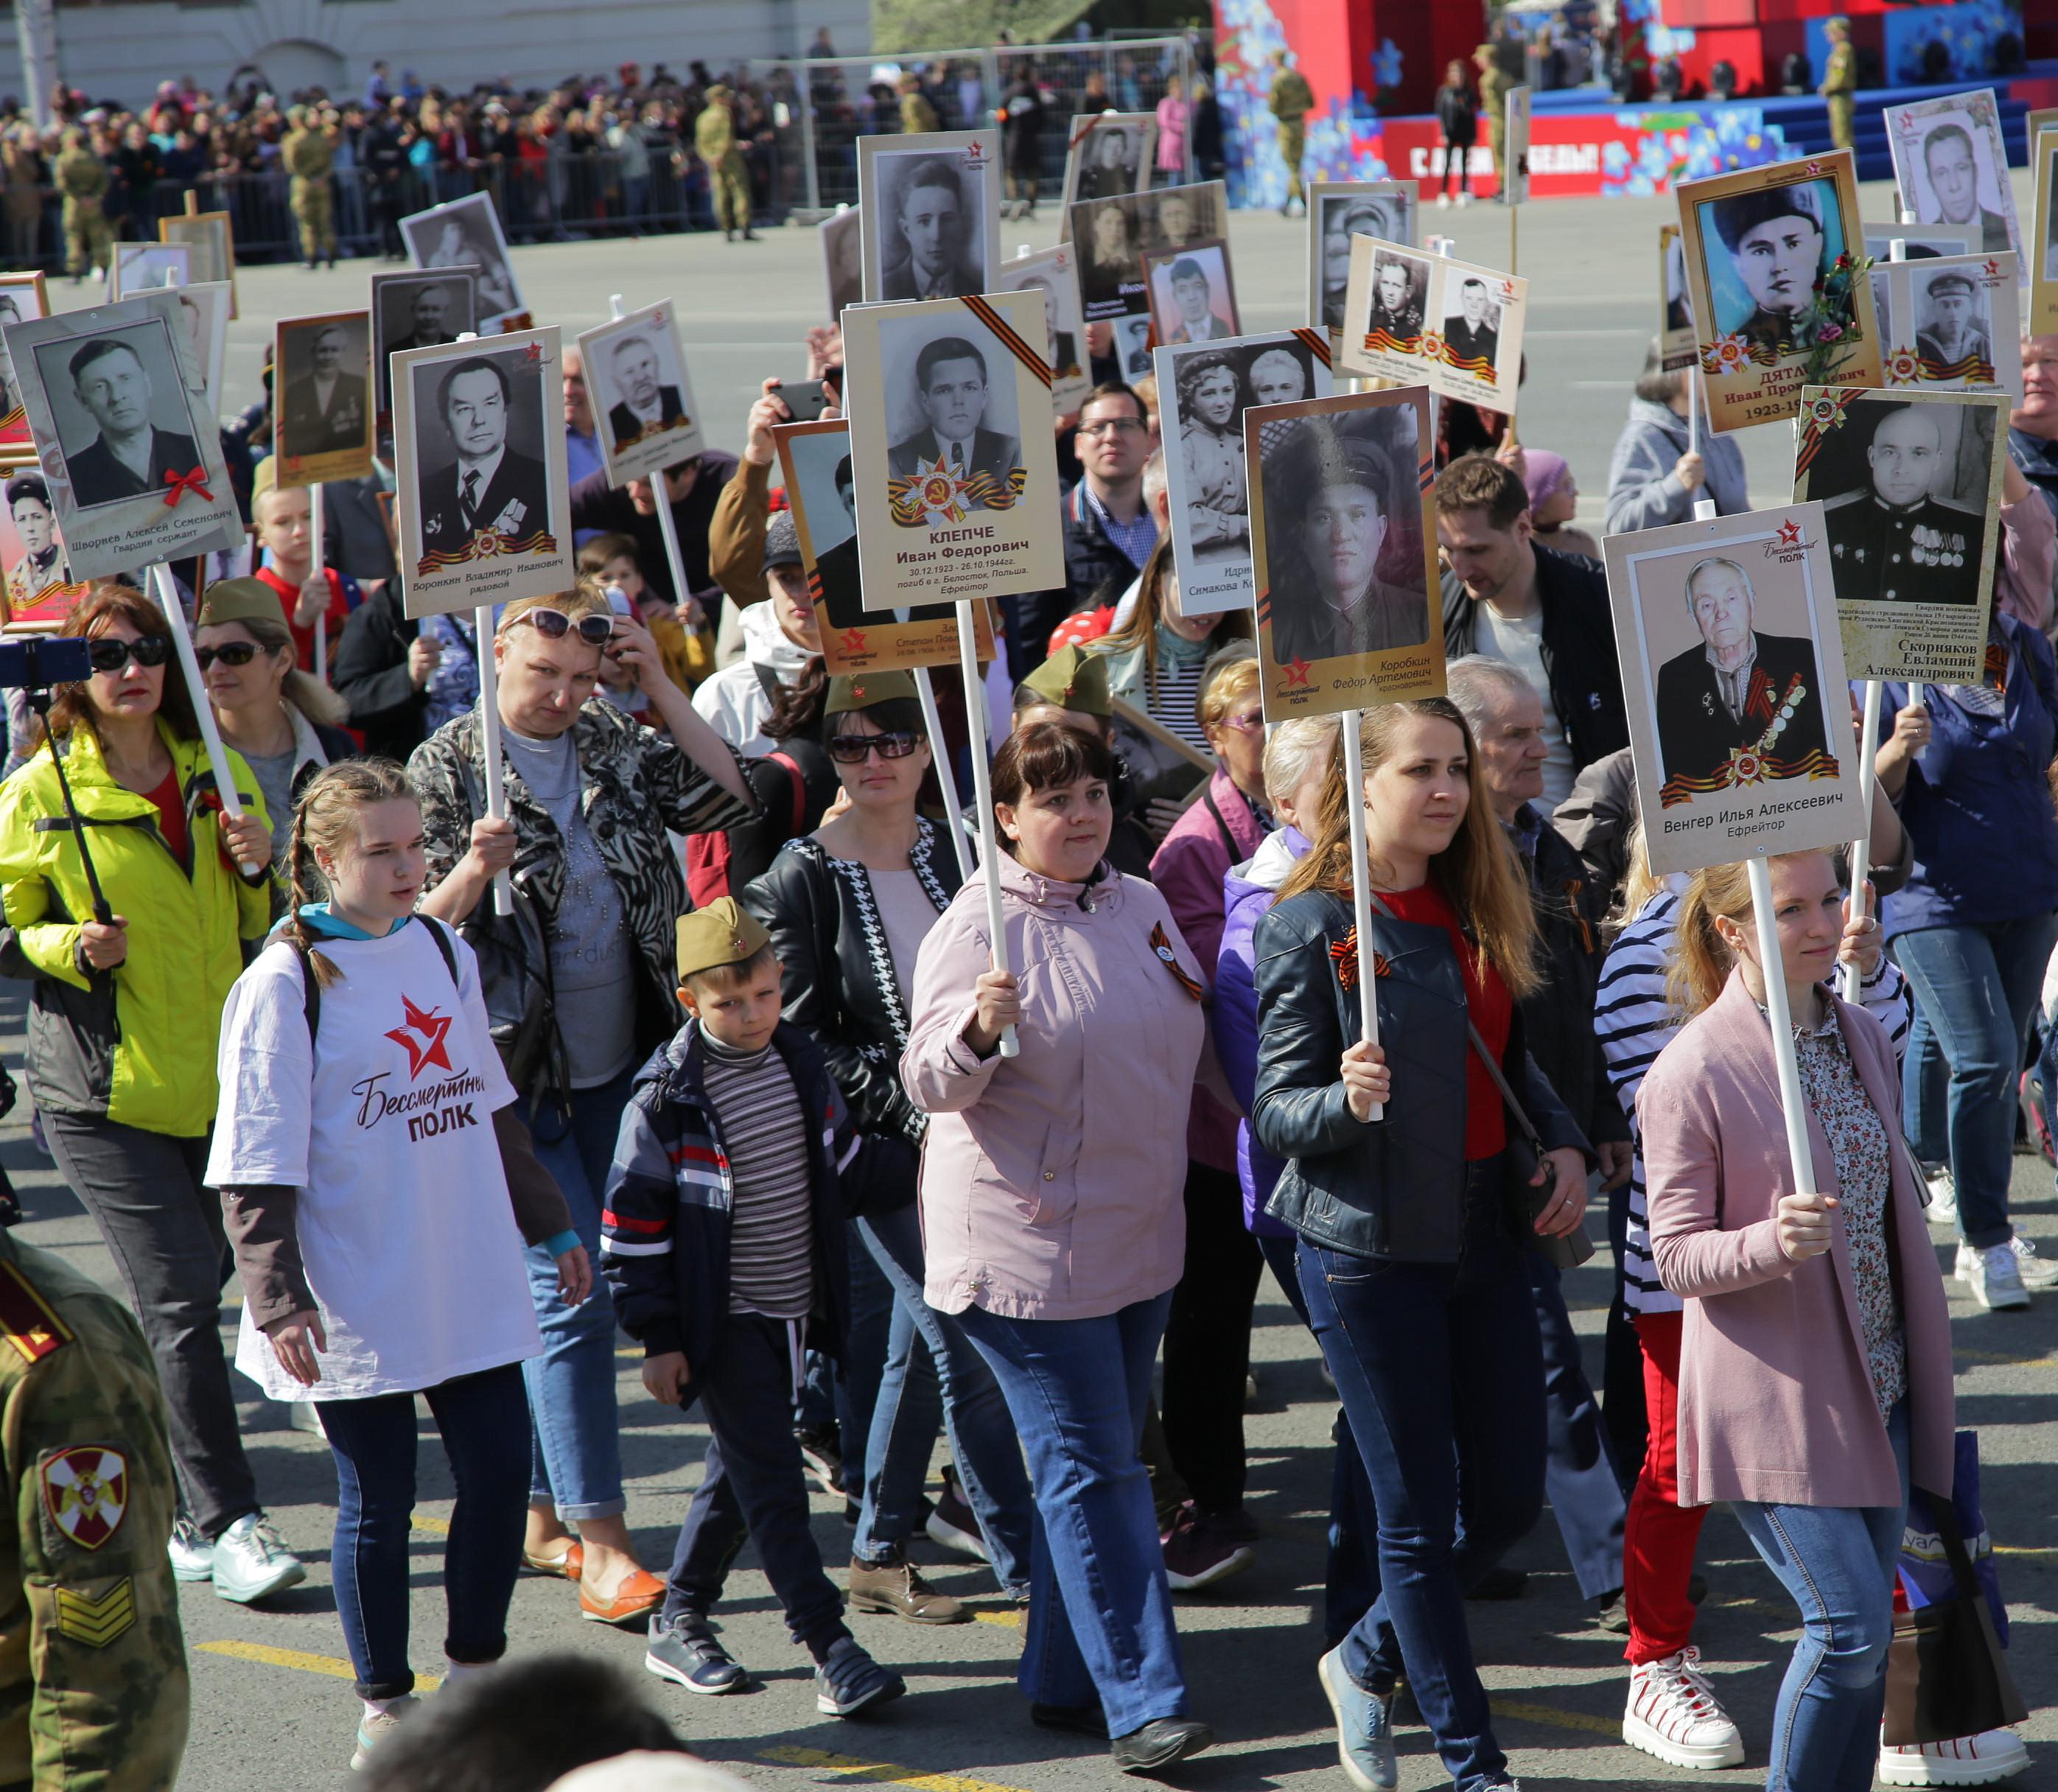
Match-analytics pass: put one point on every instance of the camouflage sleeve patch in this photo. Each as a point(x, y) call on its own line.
point(85, 1492)
point(97, 1620)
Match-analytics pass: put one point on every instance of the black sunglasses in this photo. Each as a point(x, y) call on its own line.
point(850, 749)
point(110, 652)
point(236, 653)
point(554, 624)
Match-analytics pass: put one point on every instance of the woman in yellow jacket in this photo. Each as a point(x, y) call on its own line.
point(123, 1024)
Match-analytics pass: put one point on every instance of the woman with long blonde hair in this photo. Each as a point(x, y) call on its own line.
point(1412, 1211)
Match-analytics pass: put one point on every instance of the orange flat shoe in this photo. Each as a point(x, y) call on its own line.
point(638, 1596)
point(565, 1567)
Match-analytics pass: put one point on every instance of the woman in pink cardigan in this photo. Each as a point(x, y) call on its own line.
point(1052, 1221)
point(1815, 1363)
point(1174, 111)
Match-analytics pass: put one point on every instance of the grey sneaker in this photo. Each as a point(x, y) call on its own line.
point(1364, 1727)
point(2036, 1271)
point(193, 1555)
point(374, 1727)
point(686, 1653)
point(251, 1561)
point(1996, 1278)
point(850, 1681)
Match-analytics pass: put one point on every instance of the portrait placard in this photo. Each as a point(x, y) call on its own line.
point(416, 310)
point(1107, 154)
point(467, 233)
point(1426, 319)
point(131, 455)
point(1677, 348)
point(1952, 168)
point(1055, 273)
point(1776, 306)
point(211, 239)
point(843, 258)
point(1950, 323)
point(1514, 146)
point(1343, 536)
point(206, 307)
point(2044, 273)
point(1193, 298)
point(1919, 241)
point(22, 296)
point(820, 488)
point(1203, 391)
point(643, 396)
point(1132, 348)
point(479, 468)
point(1114, 235)
point(1909, 484)
point(1733, 671)
point(322, 377)
point(930, 210)
point(954, 466)
point(1337, 211)
point(40, 587)
point(144, 267)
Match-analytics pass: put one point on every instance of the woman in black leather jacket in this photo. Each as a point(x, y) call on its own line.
point(1411, 1213)
point(847, 907)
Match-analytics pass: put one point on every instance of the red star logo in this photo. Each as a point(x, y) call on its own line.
point(1296, 673)
point(1789, 534)
point(1993, 267)
point(853, 641)
point(533, 352)
point(434, 1028)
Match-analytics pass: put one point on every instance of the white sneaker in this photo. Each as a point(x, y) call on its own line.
point(2036, 1271)
point(1943, 1208)
point(1442, 202)
point(1980, 1760)
point(1994, 1277)
point(1673, 1714)
point(193, 1555)
point(251, 1561)
point(1464, 199)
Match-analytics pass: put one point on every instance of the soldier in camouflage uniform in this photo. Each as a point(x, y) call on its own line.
point(1493, 85)
point(1840, 84)
point(82, 178)
point(1292, 100)
point(729, 181)
point(93, 1671)
point(309, 154)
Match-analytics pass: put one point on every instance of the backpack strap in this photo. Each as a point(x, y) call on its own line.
point(800, 785)
point(310, 984)
point(441, 934)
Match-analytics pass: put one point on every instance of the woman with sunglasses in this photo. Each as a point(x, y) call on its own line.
point(579, 981)
point(286, 725)
point(847, 908)
point(126, 1018)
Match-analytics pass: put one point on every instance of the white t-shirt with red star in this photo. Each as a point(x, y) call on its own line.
point(384, 1125)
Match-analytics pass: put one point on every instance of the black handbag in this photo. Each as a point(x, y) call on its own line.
point(1523, 1154)
point(1946, 1673)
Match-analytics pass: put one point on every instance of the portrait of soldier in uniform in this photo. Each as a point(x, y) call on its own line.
point(1776, 244)
point(1899, 539)
point(1399, 286)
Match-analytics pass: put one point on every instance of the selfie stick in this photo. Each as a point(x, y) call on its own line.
point(1349, 744)
point(218, 755)
point(660, 494)
point(947, 779)
point(982, 786)
point(320, 572)
point(39, 700)
point(1791, 1101)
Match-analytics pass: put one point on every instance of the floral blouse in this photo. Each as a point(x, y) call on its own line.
point(1865, 1175)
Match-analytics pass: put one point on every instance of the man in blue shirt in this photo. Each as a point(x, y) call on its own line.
point(582, 455)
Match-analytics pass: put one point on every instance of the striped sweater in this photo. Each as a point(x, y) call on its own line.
point(1635, 1022)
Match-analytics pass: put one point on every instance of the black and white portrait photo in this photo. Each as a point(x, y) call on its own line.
point(1951, 167)
point(949, 418)
point(1109, 153)
point(125, 426)
point(467, 233)
point(1192, 297)
point(1132, 345)
point(1114, 235)
point(482, 473)
point(204, 310)
point(1054, 273)
point(419, 310)
point(930, 214)
point(1399, 285)
point(322, 377)
point(1471, 324)
point(21, 297)
point(636, 373)
point(1953, 323)
point(1338, 211)
point(843, 259)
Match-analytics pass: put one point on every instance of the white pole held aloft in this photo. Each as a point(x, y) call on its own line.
point(218, 755)
point(1693, 406)
point(982, 790)
point(946, 780)
point(661, 495)
point(318, 569)
point(1861, 847)
point(1350, 725)
point(489, 743)
point(1704, 509)
point(1791, 1100)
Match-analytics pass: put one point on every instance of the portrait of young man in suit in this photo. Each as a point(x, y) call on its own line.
point(950, 386)
point(935, 232)
point(489, 487)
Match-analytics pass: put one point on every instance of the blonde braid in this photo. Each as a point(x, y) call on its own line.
point(297, 929)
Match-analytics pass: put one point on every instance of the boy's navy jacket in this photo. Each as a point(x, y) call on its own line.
point(665, 1233)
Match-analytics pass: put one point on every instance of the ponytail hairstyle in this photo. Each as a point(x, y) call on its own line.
point(1701, 959)
point(325, 819)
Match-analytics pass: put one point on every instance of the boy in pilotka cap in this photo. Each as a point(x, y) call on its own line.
point(723, 1241)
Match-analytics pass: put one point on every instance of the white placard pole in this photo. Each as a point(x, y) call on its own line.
point(1439, 247)
point(218, 755)
point(660, 494)
point(1773, 967)
point(1861, 847)
point(982, 788)
point(946, 778)
point(318, 569)
point(488, 743)
point(1693, 410)
point(1350, 738)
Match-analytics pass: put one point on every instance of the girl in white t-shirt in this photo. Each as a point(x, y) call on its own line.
point(379, 1190)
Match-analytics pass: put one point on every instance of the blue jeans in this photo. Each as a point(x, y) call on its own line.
point(373, 1441)
point(1838, 1563)
point(1976, 993)
point(873, 1342)
point(939, 1375)
point(1580, 1474)
point(575, 1447)
point(1441, 1369)
point(1100, 1609)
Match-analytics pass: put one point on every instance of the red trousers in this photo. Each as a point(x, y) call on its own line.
point(1660, 1535)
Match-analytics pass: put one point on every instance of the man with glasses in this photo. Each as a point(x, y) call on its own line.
point(489, 489)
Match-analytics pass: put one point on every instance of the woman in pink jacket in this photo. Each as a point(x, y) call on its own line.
point(1815, 1363)
point(1052, 1217)
point(1174, 111)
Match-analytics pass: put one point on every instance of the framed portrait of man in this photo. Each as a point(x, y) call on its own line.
point(1909, 484)
point(1107, 154)
point(205, 309)
point(321, 382)
point(467, 233)
point(1338, 211)
point(1055, 273)
point(211, 238)
point(1732, 668)
point(1193, 298)
point(40, 589)
point(1950, 323)
point(1449, 325)
point(642, 398)
point(929, 211)
point(1203, 391)
point(1952, 167)
point(1675, 326)
point(843, 258)
point(479, 468)
point(22, 296)
point(142, 267)
point(1114, 235)
point(953, 461)
point(1343, 536)
point(130, 453)
point(1769, 259)
point(414, 310)
point(2044, 271)
point(822, 489)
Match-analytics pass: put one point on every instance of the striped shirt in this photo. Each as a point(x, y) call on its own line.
point(764, 1135)
point(1178, 690)
point(1635, 1021)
